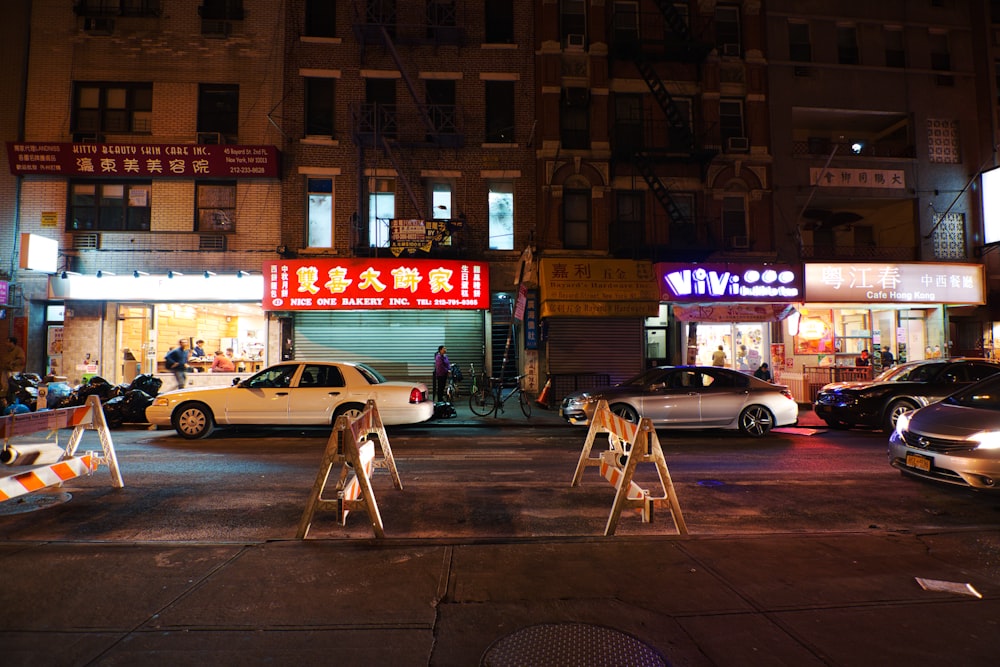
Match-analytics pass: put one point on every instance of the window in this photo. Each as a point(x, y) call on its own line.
point(221, 10)
point(113, 108)
point(574, 118)
point(626, 231)
point(628, 135)
point(381, 210)
point(319, 195)
point(441, 105)
point(626, 23)
point(501, 214)
point(727, 28)
point(799, 46)
point(681, 136)
point(216, 204)
point(734, 219)
point(678, 20)
point(572, 18)
point(380, 107)
point(847, 45)
point(730, 121)
point(321, 18)
point(319, 107)
point(940, 55)
point(576, 218)
point(499, 22)
point(440, 195)
point(499, 112)
point(895, 54)
point(108, 206)
point(218, 113)
point(117, 7)
point(682, 227)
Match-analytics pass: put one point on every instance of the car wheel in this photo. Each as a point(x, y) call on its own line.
point(896, 408)
point(626, 412)
point(756, 420)
point(193, 421)
point(351, 410)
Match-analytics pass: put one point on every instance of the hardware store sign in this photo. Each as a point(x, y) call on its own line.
point(582, 287)
point(375, 284)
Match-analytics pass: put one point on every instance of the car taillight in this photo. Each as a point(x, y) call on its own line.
point(787, 394)
point(416, 396)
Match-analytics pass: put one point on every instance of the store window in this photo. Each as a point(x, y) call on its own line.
point(501, 214)
point(319, 106)
point(109, 206)
point(111, 108)
point(319, 195)
point(381, 210)
point(216, 206)
point(218, 113)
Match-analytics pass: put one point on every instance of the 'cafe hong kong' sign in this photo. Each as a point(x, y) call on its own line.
point(375, 284)
point(728, 282)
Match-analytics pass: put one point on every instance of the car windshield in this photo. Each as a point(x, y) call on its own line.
point(915, 372)
point(370, 374)
point(983, 395)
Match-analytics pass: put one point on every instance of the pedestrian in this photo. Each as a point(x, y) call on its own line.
point(887, 359)
point(763, 372)
point(441, 368)
point(719, 357)
point(11, 361)
point(863, 360)
point(177, 359)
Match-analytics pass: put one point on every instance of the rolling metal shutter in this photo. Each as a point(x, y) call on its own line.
point(585, 353)
point(399, 344)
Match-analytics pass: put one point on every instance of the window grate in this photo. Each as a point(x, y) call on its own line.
point(215, 242)
point(86, 241)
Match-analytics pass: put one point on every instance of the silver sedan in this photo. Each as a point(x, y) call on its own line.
point(691, 397)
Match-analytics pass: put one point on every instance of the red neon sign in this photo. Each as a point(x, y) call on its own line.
point(375, 284)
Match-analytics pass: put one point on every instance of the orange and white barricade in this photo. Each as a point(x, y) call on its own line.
point(351, 446)
point(44, 472)
point(629, 445)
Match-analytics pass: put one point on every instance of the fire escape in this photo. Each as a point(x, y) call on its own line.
point(668, 144)
point(384, 129)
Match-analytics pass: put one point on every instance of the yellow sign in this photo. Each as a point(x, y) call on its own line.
point(583, 287)
point(50, 219)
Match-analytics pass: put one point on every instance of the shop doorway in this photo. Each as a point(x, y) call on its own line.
point(746, 344)
point(135, 344)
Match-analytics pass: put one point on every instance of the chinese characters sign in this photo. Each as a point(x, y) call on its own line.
point(728, 282)
point(375, 284)
point(895, 283)
point(411, 235)
point(857, 178)
point(143, 160)
point(580, 287)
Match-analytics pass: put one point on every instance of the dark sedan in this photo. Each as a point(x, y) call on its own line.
point(878, 403)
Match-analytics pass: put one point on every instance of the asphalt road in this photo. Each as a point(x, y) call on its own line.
point(510, 481)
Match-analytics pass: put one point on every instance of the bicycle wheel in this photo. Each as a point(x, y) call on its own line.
point(525, 404)
point(483, 403)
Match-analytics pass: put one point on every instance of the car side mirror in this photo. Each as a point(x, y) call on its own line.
point(238, 383)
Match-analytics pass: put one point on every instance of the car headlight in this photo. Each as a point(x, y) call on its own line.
point(902, 423)
point(987, 440)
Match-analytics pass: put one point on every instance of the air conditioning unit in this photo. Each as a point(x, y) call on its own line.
point(99, 25)
point(216, 242)
point(737, 145)
point(739, 242)
point(575, 42)
point(731, 50)
point(86, 241)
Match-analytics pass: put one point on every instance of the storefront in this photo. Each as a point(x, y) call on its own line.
point(117, 327)
point(390, 312)
point(592, 312)
point(897, 312)
point(727, 307)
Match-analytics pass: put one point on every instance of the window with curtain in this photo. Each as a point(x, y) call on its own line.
point(319, 197)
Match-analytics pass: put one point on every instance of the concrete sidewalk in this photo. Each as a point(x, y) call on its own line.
point(834, 599)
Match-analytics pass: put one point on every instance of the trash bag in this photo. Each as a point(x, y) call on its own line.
point(58, 394)
point(444, 411)
point(16, 408)
point(134, 404)
point(96, 386)
point(114, 412)
point(147, 383)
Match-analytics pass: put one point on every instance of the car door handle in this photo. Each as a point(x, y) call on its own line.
point(333, 393)
point(281, 393)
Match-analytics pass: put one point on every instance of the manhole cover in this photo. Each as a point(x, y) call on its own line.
point(30, 503)
point(571, 645)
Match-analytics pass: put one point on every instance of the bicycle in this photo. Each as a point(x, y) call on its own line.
point(490, 399)
point(478, 379)
point(451, 388)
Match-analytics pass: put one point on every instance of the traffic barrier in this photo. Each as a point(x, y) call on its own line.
point(351, 446)
point(82, 418)
point(629, 445)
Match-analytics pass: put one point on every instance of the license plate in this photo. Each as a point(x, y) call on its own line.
point(919, 462)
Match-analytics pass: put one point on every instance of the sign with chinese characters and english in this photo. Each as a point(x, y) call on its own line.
point(375, 284)
point(582, 287)
point(923, 282)
point(143, 160)
point(729, 282)
point(892, 179)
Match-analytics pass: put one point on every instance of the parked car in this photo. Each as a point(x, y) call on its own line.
point(293, 392)
point(956, 441)
point(691, 397)
point(879, 402)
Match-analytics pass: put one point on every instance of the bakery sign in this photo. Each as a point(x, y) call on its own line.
point(375, 284)
point(93, 160)
point(719, 282)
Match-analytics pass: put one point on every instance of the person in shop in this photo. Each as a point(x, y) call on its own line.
point(198, 351)
point(719, 357)
point(741, 359)
point(863, 360)
point(763, 372)
point(222, 363)
point(887, 358)
point(441, 368)
point(177, 360)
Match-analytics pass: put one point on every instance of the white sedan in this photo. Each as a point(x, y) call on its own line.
point(295, 393)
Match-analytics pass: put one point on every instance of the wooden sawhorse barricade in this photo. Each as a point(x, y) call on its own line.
point(351, 446)
point(82, 418)
point(630, 445)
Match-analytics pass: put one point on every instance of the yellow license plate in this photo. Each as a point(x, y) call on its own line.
point(919, 462)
